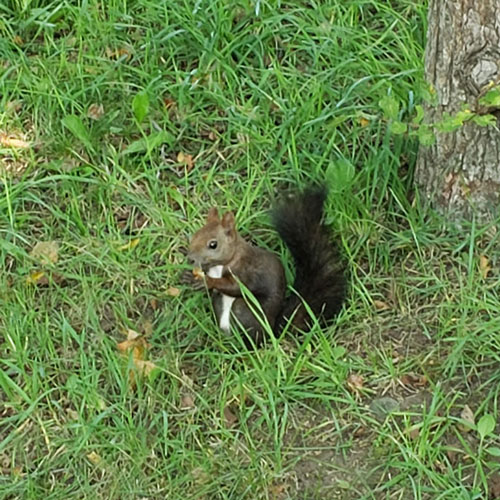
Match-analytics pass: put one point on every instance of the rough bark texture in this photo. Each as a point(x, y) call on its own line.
point(460, 173)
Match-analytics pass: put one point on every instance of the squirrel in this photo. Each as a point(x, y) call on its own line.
point(223, 259)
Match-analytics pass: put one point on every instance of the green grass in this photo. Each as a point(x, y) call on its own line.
point(264, 96)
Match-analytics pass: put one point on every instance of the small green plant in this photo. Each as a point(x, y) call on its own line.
point(426, 132)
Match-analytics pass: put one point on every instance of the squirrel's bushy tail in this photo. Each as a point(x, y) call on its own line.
point(320, 277)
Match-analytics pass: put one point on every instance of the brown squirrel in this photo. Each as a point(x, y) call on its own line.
point(223, 259)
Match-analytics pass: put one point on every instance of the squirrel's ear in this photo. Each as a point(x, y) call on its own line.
point(228, 221)
point(213, 215)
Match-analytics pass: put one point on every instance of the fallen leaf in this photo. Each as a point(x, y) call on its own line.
point(9, 141)
point(278, 490)
point(187, 402)
point(46, 252)
point(185, 159)
point(169, 103)
point(173, 291)
point(381, 305)
point(95, 111)
point(130, 245)
point(414, 433)
point(364, 122)
point(147, 328)
point(17, 40)
point(117, 53)
point(94, 457)
point(484, 266)
point(414, 380)
point(154, 304)
point(72, 414)
point(355, 382)
point(37, 277)
point(467, 415)
point(134, 340)
point(144, 367)
point(230, 419)
point(137, 345)
point(41, 278)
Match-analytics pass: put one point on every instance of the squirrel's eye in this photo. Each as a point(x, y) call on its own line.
point(212, 244)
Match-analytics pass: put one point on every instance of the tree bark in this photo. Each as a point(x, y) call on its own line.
point(460, 173)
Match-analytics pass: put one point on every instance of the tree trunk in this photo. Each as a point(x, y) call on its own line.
point(460, 173)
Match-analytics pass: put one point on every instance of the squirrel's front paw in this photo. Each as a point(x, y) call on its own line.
point(188, 277)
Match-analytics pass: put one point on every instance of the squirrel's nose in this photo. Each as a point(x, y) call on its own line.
point(191, 259)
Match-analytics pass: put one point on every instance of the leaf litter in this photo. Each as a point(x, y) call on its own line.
point(135, 348)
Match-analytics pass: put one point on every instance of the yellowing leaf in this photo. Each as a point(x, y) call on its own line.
point(186, 159)
point(381, 305)
point(94, 457)
point(484, 266)
point(364, 122)
point(137, 345)
point(173, 291)
point(46, 252)
point(144, 367)
point(35, 277)
point(130, 245)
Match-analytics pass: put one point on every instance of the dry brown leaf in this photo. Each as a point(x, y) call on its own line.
point(230, 419)
point(484, 266)
point(187, 402)
point(137, 345)
point(147, 328)
point(468, 416)
point(381, 305)
point(278, 490)
point(72, 414)
point(117, 53)
point(355, 382)
point(95, 111)
point(414, 380)
point(185, 159)
point(9, 141)
point(169, 103)
point(414, 433)
point(130, 245)
point(173, 291)
point(46, 252)
point(154, 304)
point(144, 367)
point(131, 334)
